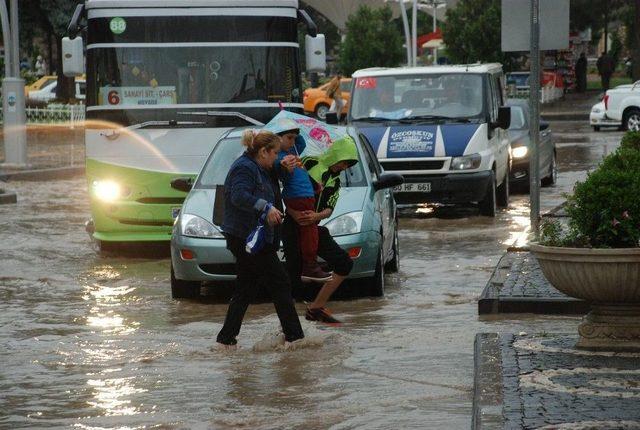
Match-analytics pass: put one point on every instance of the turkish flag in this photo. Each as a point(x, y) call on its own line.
point(366, 83)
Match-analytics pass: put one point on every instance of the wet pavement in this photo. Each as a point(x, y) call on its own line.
point(95, 341)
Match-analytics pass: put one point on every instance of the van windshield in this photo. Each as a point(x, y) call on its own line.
point(445, 96)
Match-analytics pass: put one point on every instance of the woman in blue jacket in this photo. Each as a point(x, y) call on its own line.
point(248, 196)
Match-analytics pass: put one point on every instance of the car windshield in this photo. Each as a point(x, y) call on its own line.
point(447, 95)
point(518, 120)
point(228, 150)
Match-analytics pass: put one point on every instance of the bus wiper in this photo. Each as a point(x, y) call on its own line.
point(215, 113)
point(171, 123)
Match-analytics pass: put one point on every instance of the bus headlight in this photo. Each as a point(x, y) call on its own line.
point(519, 152)
point(107, 191)
point(350, 223)
point(194, 226)
point(466, 162)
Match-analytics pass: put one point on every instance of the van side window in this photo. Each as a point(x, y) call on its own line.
point(493, 100)
point(499, 90)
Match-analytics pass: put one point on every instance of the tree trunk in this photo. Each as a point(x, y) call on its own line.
point(635, 53)
point(50, 53)
point(65, 89)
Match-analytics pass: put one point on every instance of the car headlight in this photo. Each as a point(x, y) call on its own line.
point(108, 190)
point(519, 152)
point(194, 226)
point(350, 223)
point(596, 110)
point(466, 162)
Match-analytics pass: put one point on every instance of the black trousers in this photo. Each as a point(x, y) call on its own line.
point(337, 258)
point(253, 271)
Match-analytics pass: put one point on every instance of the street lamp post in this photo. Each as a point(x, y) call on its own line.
point(13, 103)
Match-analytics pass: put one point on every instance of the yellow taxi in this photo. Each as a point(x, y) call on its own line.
point(317, 102)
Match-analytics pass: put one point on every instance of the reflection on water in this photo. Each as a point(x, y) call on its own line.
point(95, 341)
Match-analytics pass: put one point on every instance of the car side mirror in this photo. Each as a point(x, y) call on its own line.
point(544, 125)
point(331, 118)
point(504, 118)
point(388, 180)
point(182, 184)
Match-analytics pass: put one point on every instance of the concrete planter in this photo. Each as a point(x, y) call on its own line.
point(610, 280)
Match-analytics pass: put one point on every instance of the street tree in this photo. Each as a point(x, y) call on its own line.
point(471, 33)
point(52, 18)
point(371, 40)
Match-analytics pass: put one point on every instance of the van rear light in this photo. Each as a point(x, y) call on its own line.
point(605, 99)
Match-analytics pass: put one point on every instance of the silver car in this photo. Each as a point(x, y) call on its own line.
point(363, 222)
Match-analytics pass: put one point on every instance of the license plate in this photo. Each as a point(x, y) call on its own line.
point(422, 187)
point(175, 212)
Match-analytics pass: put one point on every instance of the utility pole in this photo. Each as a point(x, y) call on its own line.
point(13, 104)
point(534, 119)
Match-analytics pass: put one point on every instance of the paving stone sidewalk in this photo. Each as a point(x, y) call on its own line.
point(529, 382)
point(517, 285)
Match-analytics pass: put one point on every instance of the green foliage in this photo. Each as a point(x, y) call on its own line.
point(472, 33)
point(616, 47)
point(605, 207)
point(371, 40)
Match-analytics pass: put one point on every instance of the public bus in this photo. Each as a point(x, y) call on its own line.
point(165, 79)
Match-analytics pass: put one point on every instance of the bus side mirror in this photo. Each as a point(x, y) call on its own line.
point(72, 56)
point(315, 53)
point(504, 118)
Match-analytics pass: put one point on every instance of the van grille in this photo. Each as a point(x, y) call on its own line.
point(413, 165)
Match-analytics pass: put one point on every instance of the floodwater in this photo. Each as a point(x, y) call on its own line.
point(95, 341)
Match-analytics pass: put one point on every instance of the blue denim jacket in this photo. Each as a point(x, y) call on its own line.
point(247, 190)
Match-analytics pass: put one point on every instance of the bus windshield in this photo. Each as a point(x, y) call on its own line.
point(447, 95)
point(127, 76)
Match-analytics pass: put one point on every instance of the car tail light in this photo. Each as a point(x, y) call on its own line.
point(355, 252)
point(605, 99)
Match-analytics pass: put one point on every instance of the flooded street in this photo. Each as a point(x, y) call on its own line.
point(95, 341)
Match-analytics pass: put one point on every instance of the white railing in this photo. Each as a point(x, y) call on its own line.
point(547, 94)
point(71, 115)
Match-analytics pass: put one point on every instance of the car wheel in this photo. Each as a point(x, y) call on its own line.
point(488, 204)
point(552, 178)
point(502, 192)
point(631, 120)
point(321, 111)
point(394, 264)
point(376, 284)
point(184, 289)
point(596, 128)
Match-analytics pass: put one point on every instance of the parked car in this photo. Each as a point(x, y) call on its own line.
point(48, 93)
point(444, 128)
point(39, 84)
point(598, 117)
point(520, 143)
point(363, 222)
point(317, 103)
point(622, 103)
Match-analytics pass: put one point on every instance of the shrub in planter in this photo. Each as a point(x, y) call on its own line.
point(598, 259)
point(604, 211)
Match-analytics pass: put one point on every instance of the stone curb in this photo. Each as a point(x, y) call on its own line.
point(491, 300)
point(7, 197)
point(565, 116)
point(488, 396)
point(43, 174)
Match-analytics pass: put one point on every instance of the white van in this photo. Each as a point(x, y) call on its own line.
point(442, 127)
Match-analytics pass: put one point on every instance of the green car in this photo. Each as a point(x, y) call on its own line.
point(364, 221)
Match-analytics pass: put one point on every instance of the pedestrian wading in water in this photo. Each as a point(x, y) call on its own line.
point(324, 171)
point(249, 194)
